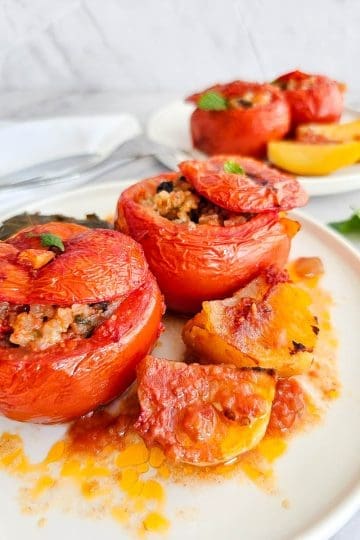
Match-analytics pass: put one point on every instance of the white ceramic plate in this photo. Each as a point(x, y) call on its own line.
point(319, 474)
point(170, 125)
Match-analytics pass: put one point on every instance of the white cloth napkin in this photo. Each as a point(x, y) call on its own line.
point(29, 143)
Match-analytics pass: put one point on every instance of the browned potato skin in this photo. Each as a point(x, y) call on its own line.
point(220, 339)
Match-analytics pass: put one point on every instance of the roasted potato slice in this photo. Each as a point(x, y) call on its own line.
point(317, 133)
point(202, 415)
point(309, 159)
point(267, 324)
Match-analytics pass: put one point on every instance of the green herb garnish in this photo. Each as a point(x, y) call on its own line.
point(52, 240)
point(212, 101)
point(351, 225)
point(233, 168)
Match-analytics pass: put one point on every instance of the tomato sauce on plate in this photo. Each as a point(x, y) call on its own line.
point(103, 465)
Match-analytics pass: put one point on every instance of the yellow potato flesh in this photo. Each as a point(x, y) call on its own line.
point(210, 347)
point(269, 346)
point(237, 438)
point(240, 439)
point(313, 159)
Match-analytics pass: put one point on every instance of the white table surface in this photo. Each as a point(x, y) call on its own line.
point(19, 105)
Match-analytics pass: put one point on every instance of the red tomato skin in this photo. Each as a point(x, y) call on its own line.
point(177, 404)
point(97, 265)
point(204, 263)
point(68, 380)
point(240, 131)
point(244, 193)
point(322, 103)
point(287, 408)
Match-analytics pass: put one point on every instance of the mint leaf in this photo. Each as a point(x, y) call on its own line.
point(51, 240)
point(233, 168)
point(212, 101)
point(351, 225)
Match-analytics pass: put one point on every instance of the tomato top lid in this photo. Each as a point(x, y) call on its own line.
point(296, 79)
point(94, 265)
point(242, 184)
point(30, 237)
point(294, 75)
point(236, 89)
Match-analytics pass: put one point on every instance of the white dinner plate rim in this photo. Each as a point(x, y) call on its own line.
point(334, 519)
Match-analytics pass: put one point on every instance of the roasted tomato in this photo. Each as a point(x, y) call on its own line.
point(193, 257)
point(73, 324)
point(267, 324)
point(311, 98)
point(288, 407)
point(252, 186)
point(202, 415)
point(253, 114)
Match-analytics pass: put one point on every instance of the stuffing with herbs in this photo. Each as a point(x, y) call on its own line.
point(178, 202)
point(41, 326)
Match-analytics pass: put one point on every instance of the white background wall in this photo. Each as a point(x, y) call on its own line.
point(172, 45)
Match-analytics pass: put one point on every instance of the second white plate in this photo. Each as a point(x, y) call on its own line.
point(170, 125)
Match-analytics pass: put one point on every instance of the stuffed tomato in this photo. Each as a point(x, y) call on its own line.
point(238, 117)
point(196, 249)
point(79, 309)
point(311, 98)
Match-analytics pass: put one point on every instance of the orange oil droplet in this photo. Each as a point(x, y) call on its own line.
point(56, 452)
point(134, 454)
point(157, 457)
point(251, 472)
point(71, 468)
point(43, 484)
point(164, 471)
point(272, 448)
point(153, 490)
point(155, 522)
point(143, 468)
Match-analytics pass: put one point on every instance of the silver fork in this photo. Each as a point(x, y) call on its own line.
point(131, 150)
point(64, 165)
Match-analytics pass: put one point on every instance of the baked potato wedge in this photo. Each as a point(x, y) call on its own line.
point(267, 324)
point(317, 133)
